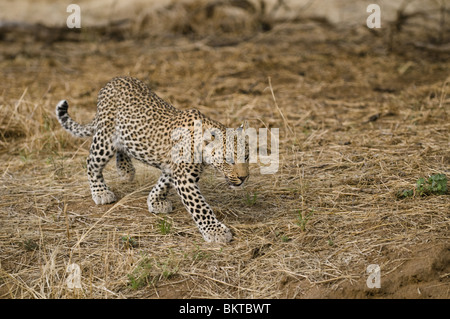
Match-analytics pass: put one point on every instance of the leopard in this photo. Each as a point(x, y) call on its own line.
point(132, 122)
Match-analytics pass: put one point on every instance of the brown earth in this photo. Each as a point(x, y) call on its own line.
point(422, 276)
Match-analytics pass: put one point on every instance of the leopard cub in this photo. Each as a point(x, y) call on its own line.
point(133, 122)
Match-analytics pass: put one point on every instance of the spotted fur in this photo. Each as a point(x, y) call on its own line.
point(133, 122)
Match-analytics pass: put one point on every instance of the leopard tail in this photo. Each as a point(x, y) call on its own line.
point(70, 125)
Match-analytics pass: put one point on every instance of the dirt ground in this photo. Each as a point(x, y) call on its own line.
point(363, 114)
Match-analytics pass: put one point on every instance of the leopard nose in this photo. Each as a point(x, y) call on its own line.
point(243, 178)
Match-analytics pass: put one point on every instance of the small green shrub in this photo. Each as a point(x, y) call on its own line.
point(435, 185)
point(164, 226)
point(303, 218)
point(142, 275)
point(250, 200)
point(128, 242)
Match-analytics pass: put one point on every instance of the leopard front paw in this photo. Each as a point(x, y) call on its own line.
point(160, 207)
point(217, 233)
point(104, 197)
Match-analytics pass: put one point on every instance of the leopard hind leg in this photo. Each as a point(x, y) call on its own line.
point(125, 167)
point(100, 153)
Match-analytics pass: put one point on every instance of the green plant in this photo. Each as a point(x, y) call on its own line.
point(198, 254)
point(137, 282)
point(303, 218)
point(141, 276)
point(164, 226)
point(284, 238)
point(30, 245)
point(404, 193)
point(128, 242)
point(168, 269)
point(149, 271)
point(435, 185)
point(250, 200)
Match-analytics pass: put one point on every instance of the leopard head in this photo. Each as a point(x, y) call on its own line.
point(232, 158)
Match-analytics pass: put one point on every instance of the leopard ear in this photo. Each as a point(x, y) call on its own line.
point(244, 125)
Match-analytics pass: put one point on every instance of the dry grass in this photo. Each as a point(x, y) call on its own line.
point(357, 124)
